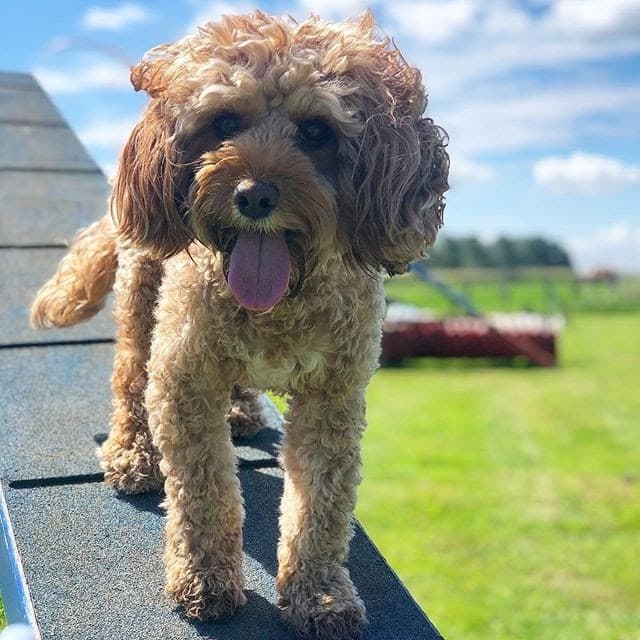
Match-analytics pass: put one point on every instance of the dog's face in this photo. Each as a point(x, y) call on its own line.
point(280, 144)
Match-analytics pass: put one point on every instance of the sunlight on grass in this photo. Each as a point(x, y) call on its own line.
point(508, 499)
point(556, 293)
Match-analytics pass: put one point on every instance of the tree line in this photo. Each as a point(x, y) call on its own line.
point(504, 252)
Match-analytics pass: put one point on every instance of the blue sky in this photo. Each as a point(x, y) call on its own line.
point(541, 98)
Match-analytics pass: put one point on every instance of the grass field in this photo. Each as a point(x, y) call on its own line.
point(544, 291)
point(508, 500)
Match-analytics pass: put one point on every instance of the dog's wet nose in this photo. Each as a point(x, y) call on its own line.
point(256, 199)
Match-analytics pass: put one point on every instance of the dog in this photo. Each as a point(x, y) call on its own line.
point(278, 172)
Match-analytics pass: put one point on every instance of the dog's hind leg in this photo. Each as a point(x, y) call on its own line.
point(129, 458)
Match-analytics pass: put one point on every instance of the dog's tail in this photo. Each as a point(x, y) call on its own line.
point(82, 281)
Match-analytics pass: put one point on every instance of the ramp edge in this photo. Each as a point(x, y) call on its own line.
point(16, 598)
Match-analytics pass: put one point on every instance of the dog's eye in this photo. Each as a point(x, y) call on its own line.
point(314, 133)
point(226, 125)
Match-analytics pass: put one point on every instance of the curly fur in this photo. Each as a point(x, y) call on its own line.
point(190, 358)
point(83, 279)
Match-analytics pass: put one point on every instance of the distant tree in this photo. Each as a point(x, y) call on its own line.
point(446, 253)
point(538, 251)
point(473, 253)
point(557, 256)
point(505, 252)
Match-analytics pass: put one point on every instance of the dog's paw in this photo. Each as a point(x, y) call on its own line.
point(204, 596)
point(243, 424)
point(248, 413)
point(333, 612)
point(134, 470)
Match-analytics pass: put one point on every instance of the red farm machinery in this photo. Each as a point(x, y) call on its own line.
point(410, 332)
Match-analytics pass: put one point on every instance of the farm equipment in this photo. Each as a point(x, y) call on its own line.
point(410, 332)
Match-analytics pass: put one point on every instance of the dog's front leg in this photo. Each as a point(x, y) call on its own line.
point(187, 407)
point(321, 456)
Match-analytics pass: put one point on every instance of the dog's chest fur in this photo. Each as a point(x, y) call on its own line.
point(332, 325)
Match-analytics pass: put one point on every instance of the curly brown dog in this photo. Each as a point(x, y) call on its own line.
point(279, 169)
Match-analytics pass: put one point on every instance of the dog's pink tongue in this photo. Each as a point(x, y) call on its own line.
point(259, 269)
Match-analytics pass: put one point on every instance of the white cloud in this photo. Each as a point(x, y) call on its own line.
point(474, 65)
point(114, 18)
point(211, 12)
point(620, 234)
point(501, 37)
point(615, 245)
point(585, 173)
point(336, 9)
point(109, 168)
point(595, 17)
point(464, 170)
point(100, 75)
point(508, 120)
point(434, 21)
point(104, 138)
point(107, 133)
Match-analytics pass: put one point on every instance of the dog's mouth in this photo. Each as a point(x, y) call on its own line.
point(259, 269)
point(262, 267)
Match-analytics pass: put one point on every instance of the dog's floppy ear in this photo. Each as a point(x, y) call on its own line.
point(148, 190)
point(399, 167)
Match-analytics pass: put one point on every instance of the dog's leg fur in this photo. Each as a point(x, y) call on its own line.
point(321, 457)
point(187, 400)
point(129, 458)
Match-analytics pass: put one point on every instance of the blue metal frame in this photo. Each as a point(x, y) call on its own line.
point(422, 271)
point(13, 585)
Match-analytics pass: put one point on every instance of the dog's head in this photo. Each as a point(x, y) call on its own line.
point(280, 144)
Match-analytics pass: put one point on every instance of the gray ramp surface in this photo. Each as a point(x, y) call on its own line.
point(56, 403)
point(18, 80)
point(103, 577)
point(35, 147)
point(55, 410)
point(18, 107)
point(78, 561)
point(48, 207)
point(33, 136)
point(23, 272)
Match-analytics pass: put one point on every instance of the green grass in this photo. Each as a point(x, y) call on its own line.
point(508, 500)
point(551, 294)
point(3, 619)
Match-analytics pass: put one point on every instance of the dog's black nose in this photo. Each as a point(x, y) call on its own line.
point(256, 199)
